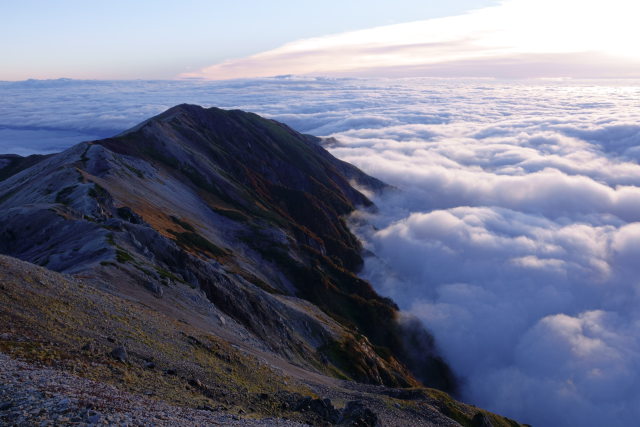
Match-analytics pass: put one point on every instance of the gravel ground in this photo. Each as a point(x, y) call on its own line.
point(32, 395)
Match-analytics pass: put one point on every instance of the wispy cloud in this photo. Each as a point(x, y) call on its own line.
point(518, 38)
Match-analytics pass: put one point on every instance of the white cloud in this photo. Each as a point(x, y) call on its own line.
point(537, 317)
point(515, 234)
point(518, 38)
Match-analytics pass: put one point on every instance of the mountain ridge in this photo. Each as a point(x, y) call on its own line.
point(243, 211)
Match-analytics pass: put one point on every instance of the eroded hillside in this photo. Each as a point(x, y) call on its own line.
point(211, 244)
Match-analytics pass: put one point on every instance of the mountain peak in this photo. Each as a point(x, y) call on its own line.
point(241, 207)
point(208, 251)
point(186, 109)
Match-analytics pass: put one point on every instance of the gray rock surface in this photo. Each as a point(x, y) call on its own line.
point(32, 395)
point(120, 354)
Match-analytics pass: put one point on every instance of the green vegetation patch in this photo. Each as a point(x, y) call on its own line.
point(110, 239)
point(123, 256)
point(168, 275)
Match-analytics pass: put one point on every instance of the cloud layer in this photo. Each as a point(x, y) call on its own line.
point(515, 232)
point(515, 238)
point(517, 38)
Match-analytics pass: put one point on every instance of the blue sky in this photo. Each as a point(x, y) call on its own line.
point(158, 39)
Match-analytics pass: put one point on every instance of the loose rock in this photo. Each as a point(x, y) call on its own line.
point(120, 353)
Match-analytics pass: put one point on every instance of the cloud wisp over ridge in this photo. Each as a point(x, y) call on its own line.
point(515, 232)
point(517, 38)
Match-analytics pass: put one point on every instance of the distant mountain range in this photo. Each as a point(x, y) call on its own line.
point(204, 256)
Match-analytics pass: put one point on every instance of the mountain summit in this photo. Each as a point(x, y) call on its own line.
point(229, 229)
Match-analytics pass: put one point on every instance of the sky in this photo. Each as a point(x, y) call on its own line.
point(201, 39)
point(162, 39)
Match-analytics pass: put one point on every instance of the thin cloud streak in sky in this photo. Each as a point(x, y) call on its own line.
point(518, 38)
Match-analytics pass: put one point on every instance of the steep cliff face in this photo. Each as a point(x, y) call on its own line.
point(243, 209)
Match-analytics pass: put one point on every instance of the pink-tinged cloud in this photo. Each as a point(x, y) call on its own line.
point(518, 38)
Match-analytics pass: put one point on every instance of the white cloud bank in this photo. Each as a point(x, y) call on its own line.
point(516, 239)
point(515, 236)
point(517, 38)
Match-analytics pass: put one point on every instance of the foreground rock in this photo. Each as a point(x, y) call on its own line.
point(120, 353)
point(31, 395)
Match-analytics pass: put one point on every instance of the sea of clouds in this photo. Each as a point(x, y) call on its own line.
point(514, 233)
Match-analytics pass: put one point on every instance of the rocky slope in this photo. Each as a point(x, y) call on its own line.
point(204, 235)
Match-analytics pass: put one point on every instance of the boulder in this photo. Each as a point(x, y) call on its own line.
point(120, 353)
